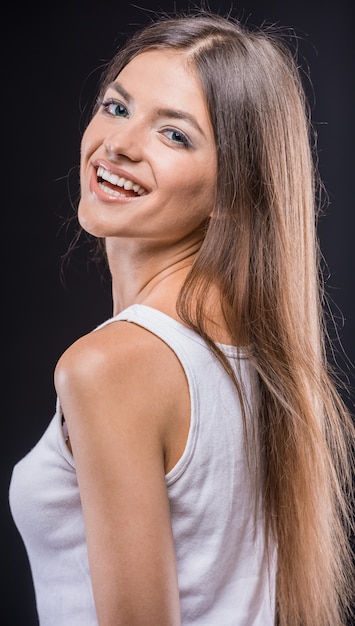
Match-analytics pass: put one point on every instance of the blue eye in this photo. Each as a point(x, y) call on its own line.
point(177, 137)
point(115, 108)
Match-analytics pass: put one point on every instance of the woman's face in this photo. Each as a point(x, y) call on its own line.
point(148, 156)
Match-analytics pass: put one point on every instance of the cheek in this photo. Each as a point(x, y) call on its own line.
point(84, 150)
point(189, 176)
point(199, 184)
point(86, 142)
point(90, 140)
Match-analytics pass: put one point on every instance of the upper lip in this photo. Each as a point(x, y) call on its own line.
point(120, 173)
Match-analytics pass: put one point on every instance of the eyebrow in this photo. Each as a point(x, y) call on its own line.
point(118, 87)
point(181, 115)
point(165, 112)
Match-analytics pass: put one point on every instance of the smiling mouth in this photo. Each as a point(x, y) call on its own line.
point(117, 185)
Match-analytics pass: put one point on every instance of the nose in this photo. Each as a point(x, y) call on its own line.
point(125, 141)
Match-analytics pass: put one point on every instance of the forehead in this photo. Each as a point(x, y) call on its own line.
point(166, 77)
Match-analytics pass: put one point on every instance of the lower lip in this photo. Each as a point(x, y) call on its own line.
point(103, 196)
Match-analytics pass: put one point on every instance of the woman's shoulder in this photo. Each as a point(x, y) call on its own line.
point(124, 374)
point(116, 353)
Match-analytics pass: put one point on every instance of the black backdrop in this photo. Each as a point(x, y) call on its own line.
point(50, 67)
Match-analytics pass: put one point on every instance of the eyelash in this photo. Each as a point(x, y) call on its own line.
point(184, 140)
point(106, 104)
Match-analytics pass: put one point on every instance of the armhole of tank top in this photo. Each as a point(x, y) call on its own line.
point(63, 435)
point(133, 316)
point(183, 358)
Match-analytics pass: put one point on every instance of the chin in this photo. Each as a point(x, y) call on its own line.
point(92, 227)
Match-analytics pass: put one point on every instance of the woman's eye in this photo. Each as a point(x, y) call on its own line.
point(177, 137)
point(112, 107)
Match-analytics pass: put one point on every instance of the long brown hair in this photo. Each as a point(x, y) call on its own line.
point(262, 253)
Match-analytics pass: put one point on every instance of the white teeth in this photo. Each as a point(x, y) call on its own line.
point(118, 182)
point(112, 192)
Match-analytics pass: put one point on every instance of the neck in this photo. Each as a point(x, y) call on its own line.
point(143, 275)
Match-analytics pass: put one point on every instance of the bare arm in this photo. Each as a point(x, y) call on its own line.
point(116, 401)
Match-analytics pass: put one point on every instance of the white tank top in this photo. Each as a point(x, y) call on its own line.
point(224, 576)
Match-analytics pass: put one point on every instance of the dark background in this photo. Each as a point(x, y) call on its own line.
point(50, 68)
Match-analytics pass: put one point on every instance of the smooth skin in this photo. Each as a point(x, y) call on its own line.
point(123, 391)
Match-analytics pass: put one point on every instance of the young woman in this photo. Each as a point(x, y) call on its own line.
point(197, 470)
